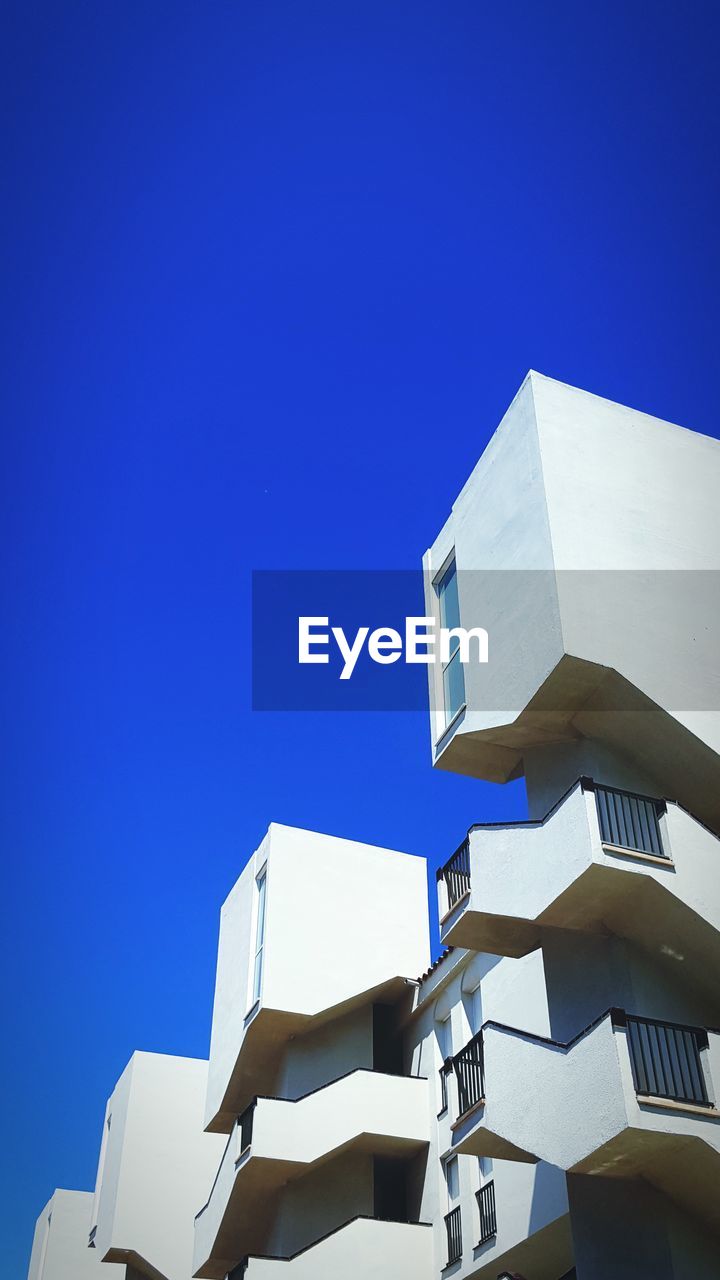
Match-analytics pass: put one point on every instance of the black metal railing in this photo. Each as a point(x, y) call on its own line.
point(666, 1061)
point(453, 1226)
point(245, 1124)
point(456, 874)
point(486, 1204)
point(470, 1074)
point(630, 821)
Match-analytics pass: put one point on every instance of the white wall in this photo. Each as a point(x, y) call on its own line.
point(529, 1198)
point(580, 540)
point(159, 1164)
point(326, 1053)
point(60, 1244)
point(380, 1250)
point(342, 918)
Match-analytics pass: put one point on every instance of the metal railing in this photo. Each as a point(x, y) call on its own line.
point(666, 1061)
point(470, 1074)
point(456, 874)
point(453, 1226)
point(486, 1204)
point(630, 821)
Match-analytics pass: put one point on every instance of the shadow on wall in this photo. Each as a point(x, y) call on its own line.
point(549, 1198)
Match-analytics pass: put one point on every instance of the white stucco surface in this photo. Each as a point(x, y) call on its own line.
point(527, 877)
point(586, 541)
point(158, 1165)
point(60, 1244)
point(369, 1108)
point(364, 906)
point(564, 1105)
point(380, 1250)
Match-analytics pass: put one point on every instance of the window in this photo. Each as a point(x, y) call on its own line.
point(452, 673)
point(444, 1039)
point(452, 1177)
point(444, 1035)
point(259, 934)
point(476, 1009)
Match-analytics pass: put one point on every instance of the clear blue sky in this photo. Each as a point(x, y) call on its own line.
point(262, 262)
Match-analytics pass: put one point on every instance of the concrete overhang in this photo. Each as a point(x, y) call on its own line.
point(580, 699)
point(365, 1111)
point(265, 1039)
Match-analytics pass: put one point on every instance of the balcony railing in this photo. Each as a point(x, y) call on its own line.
point(470, 1075)
point(453, 1226)
point(486, 1204)
point(630, 821)
point(456, 874)
point(666, 1061)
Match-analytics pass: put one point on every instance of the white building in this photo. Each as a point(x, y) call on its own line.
point(541, 1100)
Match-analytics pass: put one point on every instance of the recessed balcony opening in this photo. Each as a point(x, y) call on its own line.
point(391, 1190)
point(387, 1040)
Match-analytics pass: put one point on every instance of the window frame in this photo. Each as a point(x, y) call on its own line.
point(449, 570)
point(260, 931)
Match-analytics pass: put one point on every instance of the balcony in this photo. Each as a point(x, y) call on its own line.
point(364, 1246)
point(628, 1097)
point(275, 1141)
point(291, 900)
point(152, 1140)
point(602, 859)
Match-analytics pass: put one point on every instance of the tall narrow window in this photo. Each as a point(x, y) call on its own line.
point(476, 1009)
point(259, 934)
point(452, 1177)
point(444, 1036)
point(444, 1039)
point(452, 672)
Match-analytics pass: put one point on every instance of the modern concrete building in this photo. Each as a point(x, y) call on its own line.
point(541, 1100)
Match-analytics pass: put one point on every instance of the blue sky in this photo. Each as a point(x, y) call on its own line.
point(272, 272)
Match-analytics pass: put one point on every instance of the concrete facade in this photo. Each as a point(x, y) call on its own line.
point(543, 1099)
